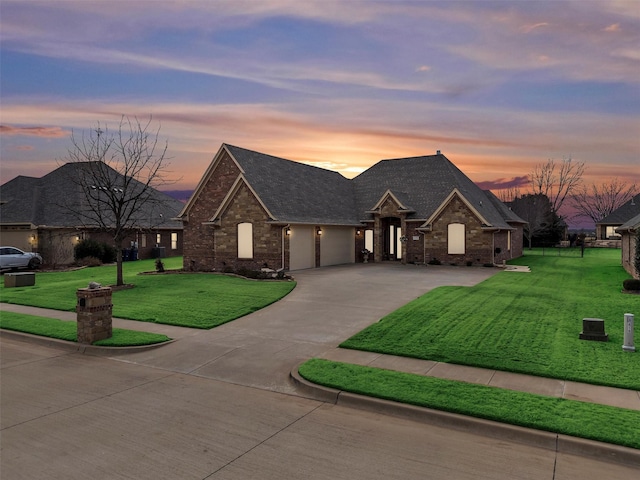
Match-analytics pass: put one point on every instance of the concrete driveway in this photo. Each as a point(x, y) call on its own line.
point(328, 306)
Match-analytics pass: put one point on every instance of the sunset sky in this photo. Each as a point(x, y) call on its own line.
point(498, 87)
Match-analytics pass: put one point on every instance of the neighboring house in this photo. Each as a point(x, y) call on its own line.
point(606, 228)
point(253, 211)
point(628, 232)
point(33, 217)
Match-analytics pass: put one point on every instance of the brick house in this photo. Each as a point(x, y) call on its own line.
point(33, 217)
point(606, 227)
point(628, 232)
point(252, 210)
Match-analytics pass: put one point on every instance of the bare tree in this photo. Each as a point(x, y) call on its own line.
point(598, 201)
point(557, 181)
point(116, 175)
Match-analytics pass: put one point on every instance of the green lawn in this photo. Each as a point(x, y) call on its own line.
point(67, 330)
point(587, 420)
point(198, 300)
point(521, 322)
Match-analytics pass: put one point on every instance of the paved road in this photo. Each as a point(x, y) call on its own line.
point(219, 404)
point(72, 416)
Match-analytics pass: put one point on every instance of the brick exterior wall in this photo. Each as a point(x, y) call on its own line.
point(199, 249)
point(94, 308)
point(215, 248)
point(478, 244)
point(628, 253)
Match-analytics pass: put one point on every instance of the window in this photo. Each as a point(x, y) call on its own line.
point(509, 240)
point(143, 240)
point(611, 232)
point(158, 238)
point(455, 238)
point(368, 240)
point(245, 240)
point(174, 241)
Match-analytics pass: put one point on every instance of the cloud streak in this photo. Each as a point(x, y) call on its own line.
point(44, 132)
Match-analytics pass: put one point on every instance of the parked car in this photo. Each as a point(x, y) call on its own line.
point(14, 258)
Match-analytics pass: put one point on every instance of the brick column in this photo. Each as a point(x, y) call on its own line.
point(93, 310)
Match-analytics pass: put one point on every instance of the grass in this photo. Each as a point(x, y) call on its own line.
point(198, 300)
point(569, 417)
point(67, 330)
point(521, 322)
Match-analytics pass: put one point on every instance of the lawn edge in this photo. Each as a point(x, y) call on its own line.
point(77, 347)
point(537, 438)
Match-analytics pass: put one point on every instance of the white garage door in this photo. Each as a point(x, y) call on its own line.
point(302, 244)
point(337, 246)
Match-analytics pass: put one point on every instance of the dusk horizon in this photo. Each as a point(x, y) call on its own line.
point(497, 87)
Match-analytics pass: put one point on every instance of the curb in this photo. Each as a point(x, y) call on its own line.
point(76, 347)
point(489, 428)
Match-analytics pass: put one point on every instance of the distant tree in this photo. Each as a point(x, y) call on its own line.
point(117, 175)
point(598, 201)
point(543, 224)
point(557, 181)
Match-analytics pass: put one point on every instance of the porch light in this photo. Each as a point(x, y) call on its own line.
point(358, 232)
point(288, 231)
point(319, 231)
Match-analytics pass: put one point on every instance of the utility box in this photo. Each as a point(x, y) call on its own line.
point(94, 310)
point(19, 279)
point(593, 329)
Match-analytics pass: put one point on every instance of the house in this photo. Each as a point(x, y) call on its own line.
point(35, 216)
point(606, 227)
point(629, 239)
point(253, 211)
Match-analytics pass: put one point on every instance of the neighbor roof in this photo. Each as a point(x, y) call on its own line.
point(631, 224)
point(41, 201)
point(619, 216)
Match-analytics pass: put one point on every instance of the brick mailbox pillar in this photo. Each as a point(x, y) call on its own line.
point(94, 313)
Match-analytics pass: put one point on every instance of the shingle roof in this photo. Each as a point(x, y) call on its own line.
point(619, 216)
point(295, 192)
point(41, 201)
point(631, 224)
point(424, 183)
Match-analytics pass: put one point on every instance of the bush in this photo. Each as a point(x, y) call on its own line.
point(631, 284)
point(91, 248)
point(159, 265)
point(435, 261)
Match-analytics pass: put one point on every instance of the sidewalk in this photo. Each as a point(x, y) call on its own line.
point(616, 397)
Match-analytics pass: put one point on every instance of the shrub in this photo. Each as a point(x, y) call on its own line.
point(159, 265)
point(435, 261)
point(631, 284)
point(92, 248)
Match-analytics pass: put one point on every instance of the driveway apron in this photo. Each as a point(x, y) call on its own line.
point(327, 306)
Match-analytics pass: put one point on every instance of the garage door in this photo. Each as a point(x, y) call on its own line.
point(302, 248)
point(337, 246)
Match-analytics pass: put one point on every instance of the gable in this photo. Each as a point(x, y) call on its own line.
point(455, 195)
point(239, 189)
point(395, 199)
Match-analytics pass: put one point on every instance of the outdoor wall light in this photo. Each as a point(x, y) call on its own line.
point(319, 231)
point(358, 232)
point(288, 231)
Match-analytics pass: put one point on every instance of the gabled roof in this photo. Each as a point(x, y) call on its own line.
point(41, 201)
point(622, 214)
point(427, 182)
point(632, 224)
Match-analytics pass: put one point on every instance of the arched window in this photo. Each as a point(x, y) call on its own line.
point(245, 240)
point(455, 238)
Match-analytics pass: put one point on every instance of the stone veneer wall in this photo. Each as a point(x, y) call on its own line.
point(199, 251)
point(478, 244)
point(267, 239)
point(628, 253)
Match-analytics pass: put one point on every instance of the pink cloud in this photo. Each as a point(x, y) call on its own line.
point(502, 183)
point(45, 132)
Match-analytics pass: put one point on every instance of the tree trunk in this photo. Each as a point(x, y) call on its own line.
point(120, 277)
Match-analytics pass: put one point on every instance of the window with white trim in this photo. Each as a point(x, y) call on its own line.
point(174, 240)
point(245, 240)
point(456, 238)
point(368, 240)
point(158, 238)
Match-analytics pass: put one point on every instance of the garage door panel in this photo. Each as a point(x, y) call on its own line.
point(301, 248)
point(337, 246)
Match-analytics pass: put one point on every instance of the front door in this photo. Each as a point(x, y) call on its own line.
point(392, 233)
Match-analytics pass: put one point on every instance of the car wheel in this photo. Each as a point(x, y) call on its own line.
point(34, 263)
